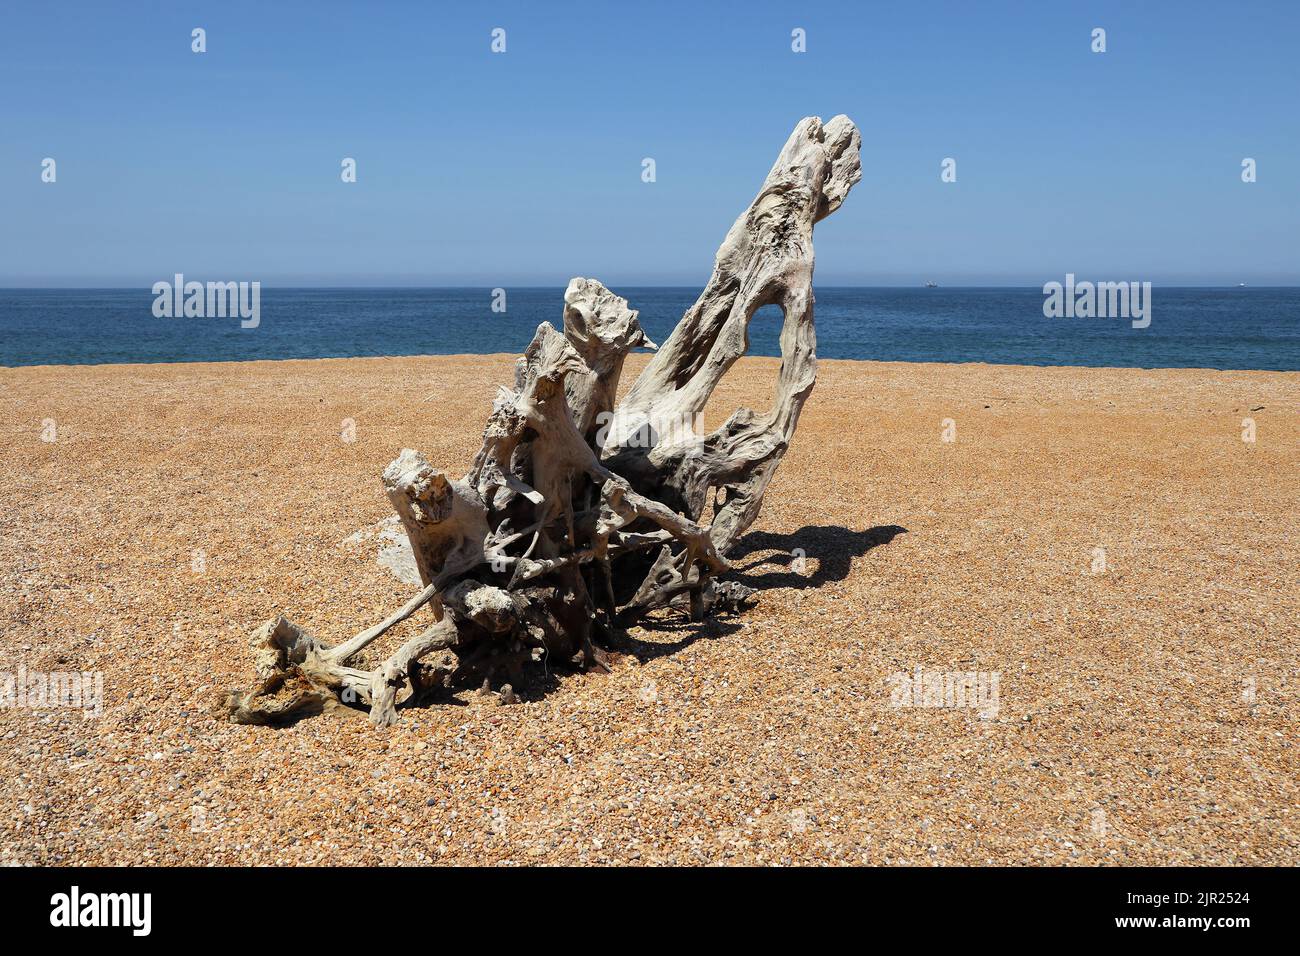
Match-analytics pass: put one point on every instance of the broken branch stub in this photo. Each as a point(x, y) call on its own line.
point(578, 514)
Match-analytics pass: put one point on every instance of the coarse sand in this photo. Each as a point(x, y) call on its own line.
point(1103, 542)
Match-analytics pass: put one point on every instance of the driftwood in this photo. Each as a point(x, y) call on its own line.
point(578, 515)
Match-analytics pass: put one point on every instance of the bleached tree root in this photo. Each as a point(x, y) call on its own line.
point(578, 516)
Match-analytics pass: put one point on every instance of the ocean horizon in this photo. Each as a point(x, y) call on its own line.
point(1255, 328)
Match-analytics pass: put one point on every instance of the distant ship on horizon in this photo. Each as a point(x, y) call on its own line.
point(932, 284)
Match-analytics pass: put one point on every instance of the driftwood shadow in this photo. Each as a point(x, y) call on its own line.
point(830, 548)
point(678, 624)
point(761, 560)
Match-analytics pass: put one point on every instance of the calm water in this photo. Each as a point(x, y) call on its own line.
point(1206, 328)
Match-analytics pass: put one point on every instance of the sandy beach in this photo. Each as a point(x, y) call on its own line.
point(1102, 540)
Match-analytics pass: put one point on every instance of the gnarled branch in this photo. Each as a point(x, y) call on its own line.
point(578, 515)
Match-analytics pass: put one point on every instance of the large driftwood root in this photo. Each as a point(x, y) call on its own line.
point(577, 515)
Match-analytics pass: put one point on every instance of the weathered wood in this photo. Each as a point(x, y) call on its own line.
point(548, 545)
point(766, 259)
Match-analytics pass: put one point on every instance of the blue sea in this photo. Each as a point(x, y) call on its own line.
point(1237, 328)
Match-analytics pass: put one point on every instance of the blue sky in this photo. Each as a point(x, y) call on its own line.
point(477, 168)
